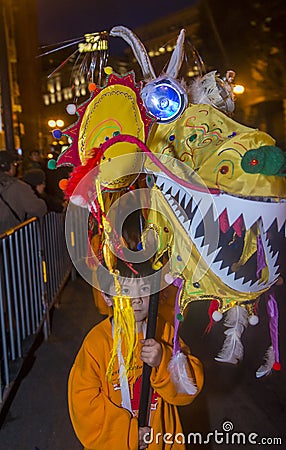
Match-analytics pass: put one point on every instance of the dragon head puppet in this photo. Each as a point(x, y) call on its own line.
point(216, 188)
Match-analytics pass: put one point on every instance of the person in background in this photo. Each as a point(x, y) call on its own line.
point(18, 202)
point(36, 178)
point(34, 161)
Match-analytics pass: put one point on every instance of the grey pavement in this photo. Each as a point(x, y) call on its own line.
point(38, 416)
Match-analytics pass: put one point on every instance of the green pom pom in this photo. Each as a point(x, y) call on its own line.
point(180, 317)
point(267, 160)
point(52, 164)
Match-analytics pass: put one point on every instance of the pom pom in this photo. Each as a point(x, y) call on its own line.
point(92, 87)
point(57, 134)
point(108, 70)
point(63, 184)
point(276, 366)
point(52, 164)
point(71, 109)
point(217, 316)
point(140, 246)
point(253, 320)
point(169, 278)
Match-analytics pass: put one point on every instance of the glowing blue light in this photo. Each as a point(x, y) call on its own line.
point(164, 99)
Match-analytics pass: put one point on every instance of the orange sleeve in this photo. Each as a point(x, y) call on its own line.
point(160, 377)
point(99, 423)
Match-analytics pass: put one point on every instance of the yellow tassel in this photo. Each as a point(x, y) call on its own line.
point(124, 334)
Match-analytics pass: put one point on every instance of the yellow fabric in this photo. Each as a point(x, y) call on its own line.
point(114, 110)
point(205, 140)
point(94, 403)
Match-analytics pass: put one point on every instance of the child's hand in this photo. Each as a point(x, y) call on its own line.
point(142, 431)
point(151, 352)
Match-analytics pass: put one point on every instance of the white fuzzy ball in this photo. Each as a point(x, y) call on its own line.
point(169, 278)
point(71, 109)
point(217, 316)
point(253, 320)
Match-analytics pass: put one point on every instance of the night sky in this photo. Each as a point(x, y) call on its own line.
point(60, 20)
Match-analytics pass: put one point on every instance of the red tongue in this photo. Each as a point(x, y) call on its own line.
point(224, 223)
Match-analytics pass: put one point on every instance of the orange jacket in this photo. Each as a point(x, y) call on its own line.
point(94, 403)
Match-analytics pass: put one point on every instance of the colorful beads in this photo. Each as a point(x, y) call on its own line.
point(63, 183)
point(91, 87)
point(57, 133)
point(52, 164)
point(108, 70)
point(71, 109)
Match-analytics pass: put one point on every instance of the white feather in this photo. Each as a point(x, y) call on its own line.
point(266, 367)
point(232, 351)
point(180, 374)
point(177, 57)
point(138, 49)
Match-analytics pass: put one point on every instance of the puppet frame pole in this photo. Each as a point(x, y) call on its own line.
point(145, 393)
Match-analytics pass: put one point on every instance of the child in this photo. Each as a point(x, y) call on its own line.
point(99, 403)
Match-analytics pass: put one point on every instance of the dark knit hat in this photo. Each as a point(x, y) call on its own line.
point(6, 159)
point(34, 177)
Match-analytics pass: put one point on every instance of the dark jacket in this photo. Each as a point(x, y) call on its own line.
point(21, 199)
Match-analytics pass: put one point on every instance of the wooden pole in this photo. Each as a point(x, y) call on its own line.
point(146, 392)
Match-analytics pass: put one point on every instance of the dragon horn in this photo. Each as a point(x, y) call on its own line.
point(177, 56)
point(138, 49)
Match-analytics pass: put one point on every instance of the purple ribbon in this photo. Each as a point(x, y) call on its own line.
point(272, 310)
point(261, 262)
point(179, 283)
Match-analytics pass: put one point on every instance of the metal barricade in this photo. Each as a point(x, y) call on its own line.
point(34, 265)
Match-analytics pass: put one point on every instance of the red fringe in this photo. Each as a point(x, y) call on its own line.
point(80, 172)
point(213, 307)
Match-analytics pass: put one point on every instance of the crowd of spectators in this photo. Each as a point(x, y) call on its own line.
point(27, 189)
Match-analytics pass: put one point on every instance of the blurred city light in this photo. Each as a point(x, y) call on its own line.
point(238, 89)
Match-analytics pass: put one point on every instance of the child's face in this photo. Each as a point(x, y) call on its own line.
point(139, 292)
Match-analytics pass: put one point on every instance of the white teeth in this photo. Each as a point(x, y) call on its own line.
point(252, 211)
point(187, 225)
point(182, 194)
point(187, 200)
point(233, 215)
point(216, 266)
point(175, 190)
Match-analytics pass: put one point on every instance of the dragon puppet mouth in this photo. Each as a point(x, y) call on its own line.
point(212, 220)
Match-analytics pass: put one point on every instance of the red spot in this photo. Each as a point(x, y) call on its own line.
point(224, 169)
point(254, 162)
